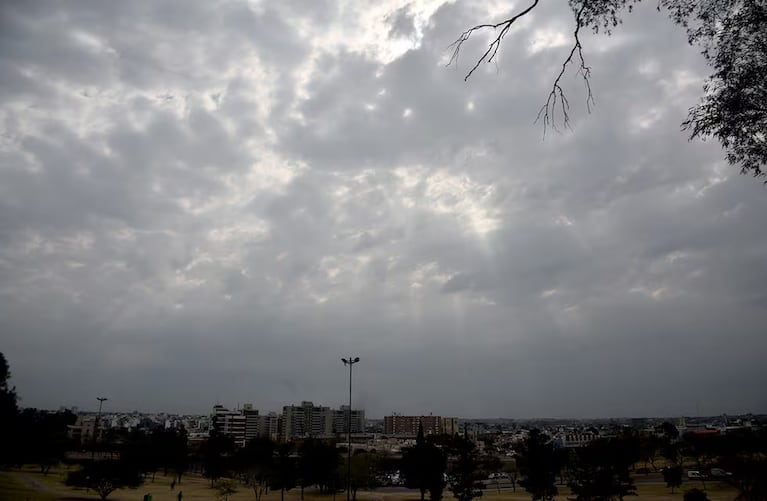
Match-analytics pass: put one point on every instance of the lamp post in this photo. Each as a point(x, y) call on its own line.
point(96, 425)
point(350, 362)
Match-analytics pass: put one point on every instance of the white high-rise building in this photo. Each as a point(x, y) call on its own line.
point(227, 422)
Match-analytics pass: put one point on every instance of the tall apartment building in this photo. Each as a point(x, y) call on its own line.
point(227, 422)
point(408, 425)
point(341, 418)
point(251, 422)
point(306, 420)
point(268, 425)
point(296, 421)
point(451, 426)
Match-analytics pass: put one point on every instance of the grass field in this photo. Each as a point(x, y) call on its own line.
point(28, 484)
point(13, 487)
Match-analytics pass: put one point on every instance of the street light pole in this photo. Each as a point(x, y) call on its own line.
point(96, 425)
point(350, 362)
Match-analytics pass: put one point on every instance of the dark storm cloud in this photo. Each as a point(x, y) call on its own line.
point(212, 202)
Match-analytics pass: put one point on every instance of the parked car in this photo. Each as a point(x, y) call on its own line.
point(720, 473)
point(695, 474)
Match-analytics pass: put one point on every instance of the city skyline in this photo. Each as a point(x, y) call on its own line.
point(215, 201)
point(245, 405)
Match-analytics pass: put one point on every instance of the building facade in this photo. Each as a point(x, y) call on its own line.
point(341, 418)
point(251, 422)
point(268, 425)
point(308, 420)
point(451, 425)
point(407, 426)
point(231, 423)
point(296, 421)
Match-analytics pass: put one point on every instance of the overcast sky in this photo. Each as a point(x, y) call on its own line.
point(213, 202)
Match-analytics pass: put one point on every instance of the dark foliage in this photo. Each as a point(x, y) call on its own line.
point(285, 469)
point(744, 455)
point(318, 465)
point(538, 466)
point(8, 414)
point(104, 477)
point(601, 470)
point(215, 454)
point(695, 495)
point(672, 475)
point(466, 470)
point(364, 472)
point(424, 466)
point(733, 36)
point(42, 437)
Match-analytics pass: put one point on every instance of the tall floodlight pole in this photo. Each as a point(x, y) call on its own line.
point(96, 425)
point(350, 362)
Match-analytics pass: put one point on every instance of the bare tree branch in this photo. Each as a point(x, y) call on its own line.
point(557, 99)
point(492, 49)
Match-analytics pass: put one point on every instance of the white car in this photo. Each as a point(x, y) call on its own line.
point(719, 473)
point(695, 474)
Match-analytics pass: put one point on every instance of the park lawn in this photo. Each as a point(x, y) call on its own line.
point(196, 488)
point(13, 488)
point(715, 491)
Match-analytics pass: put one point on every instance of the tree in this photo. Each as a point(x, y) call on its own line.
point(511, 470)
point(105, 477)
point(734, 106)
point(695, 495)
point(9, 412)
point(562, 461)
point(668, 431)
point(649, 449)
point(255, 462)
point(43, 437)
point(704, 450)
point(363, 472)
point(538, 467)
point(732, 35)
point(318, 465)
point(176, 457)
point(423, 466)
point(171, 450)
point(672, 475)
point(284, 474)
point(601, 470)
point(744, 455)
point(465, 471)
point(215, 452)
point(141, 452)
point(225, 488)
point(8, 397)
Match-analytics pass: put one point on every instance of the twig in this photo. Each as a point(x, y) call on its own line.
point(492, 49)
point(549, 109)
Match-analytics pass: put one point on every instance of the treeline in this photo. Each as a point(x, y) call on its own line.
point(30, 436)
point(604, 470)
point(431, 466)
